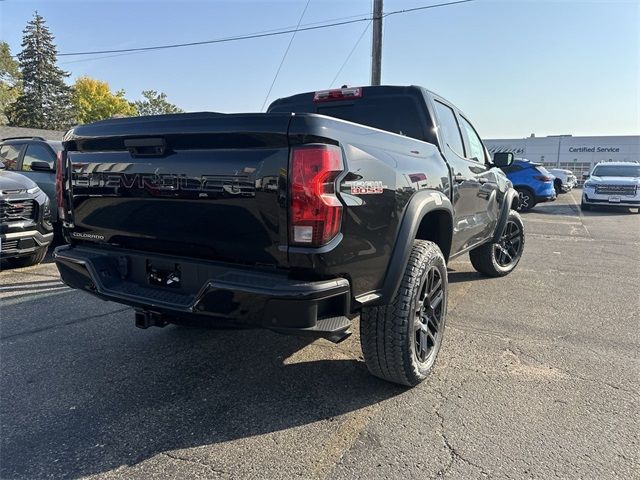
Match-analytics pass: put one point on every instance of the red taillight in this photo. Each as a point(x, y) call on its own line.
point(543, 178)
point(337, 94)
point(316, 211)
point(59, 185)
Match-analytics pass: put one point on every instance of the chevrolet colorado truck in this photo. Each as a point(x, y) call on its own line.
point(332, 205)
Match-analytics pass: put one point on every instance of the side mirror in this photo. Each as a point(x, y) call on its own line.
point(502, 159)
point(585, 176)
point(38, 166)
point(2, 167)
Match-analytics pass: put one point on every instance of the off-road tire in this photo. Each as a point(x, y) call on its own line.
point(484, 258)
point(387, 334)
point(526, 199)
point(29, 260)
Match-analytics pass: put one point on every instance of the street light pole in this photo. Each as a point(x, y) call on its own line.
point(376, 43)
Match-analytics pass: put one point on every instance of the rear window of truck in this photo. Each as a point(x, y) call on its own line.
point(398, 113)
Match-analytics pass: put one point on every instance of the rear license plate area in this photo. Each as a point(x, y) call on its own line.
point(164, 274)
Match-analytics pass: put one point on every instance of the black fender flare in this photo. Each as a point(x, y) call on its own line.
point(420, 204)
point(507, 200)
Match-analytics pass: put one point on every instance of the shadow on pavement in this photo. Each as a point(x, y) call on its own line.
point(89, 397)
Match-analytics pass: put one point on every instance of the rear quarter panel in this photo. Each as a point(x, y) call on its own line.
point(392, 168)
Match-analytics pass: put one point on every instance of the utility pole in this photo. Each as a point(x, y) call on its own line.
point(376, 43)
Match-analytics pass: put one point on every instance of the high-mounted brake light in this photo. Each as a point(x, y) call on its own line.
point(337, 94)
point(59, 185)
point(316, 211)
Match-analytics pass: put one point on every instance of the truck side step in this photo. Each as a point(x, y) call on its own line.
point(334, 329)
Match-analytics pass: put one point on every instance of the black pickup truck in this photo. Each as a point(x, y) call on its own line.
point(333, 204)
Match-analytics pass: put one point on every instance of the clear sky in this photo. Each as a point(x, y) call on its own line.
point(515, 67)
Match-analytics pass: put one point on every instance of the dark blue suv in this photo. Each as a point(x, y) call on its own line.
point(532, 181)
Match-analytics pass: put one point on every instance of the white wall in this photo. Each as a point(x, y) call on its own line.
point(578, 154)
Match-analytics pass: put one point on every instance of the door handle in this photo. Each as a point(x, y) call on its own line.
point(459, 178)
point(483, 180)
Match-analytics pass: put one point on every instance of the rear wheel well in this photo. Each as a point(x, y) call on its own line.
point(437, 227)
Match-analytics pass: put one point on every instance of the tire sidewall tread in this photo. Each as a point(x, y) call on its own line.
point(483, 258)
point(386, 332)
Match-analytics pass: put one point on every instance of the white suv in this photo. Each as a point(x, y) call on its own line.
point(565, 180)
point(613, 183)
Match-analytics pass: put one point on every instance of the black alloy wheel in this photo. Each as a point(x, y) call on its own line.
point(509, 248)
point(428, 315)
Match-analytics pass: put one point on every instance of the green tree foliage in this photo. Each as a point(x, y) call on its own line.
point(45, 101)
point(155, 103)
point(93, 100)
point(10, 81)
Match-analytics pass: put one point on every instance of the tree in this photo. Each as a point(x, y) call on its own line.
point(45, 101)
point(10, 81)
point(155, 103)
point(93, 100)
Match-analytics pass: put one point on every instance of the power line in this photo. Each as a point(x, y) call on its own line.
point(346, 60)
point(268, 33)
point(99, 58)
point(285, 55)
point(218, 40)
point(321, 22)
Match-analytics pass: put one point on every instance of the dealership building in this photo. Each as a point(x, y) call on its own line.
point(578, 154)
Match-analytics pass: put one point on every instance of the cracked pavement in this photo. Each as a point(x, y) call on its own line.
point(539, 377)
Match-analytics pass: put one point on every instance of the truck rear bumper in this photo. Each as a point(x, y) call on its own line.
point(211, 292)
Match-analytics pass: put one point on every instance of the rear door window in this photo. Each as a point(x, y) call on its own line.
point(449, 128)
point(37, 153)
point(9, 155)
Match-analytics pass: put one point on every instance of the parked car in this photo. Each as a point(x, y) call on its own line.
point(564, 181)
point(25, 224)
point(532, 181)
point(35, 158)
point(367, 209)
point(612, 183)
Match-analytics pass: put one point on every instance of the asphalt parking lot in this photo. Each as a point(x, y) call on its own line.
point(539, 377)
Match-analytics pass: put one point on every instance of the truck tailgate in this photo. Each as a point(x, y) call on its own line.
point(199, 185)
